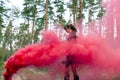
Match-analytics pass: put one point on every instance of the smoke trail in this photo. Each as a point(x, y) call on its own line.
point(42, 54)
point(90, 51)
point(95, 58)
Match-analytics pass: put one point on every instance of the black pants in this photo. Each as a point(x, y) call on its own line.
point(70, 64)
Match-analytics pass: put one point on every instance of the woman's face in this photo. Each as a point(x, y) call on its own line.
point(68, 30)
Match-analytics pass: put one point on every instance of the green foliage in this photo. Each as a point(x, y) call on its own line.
point(31, 13)
point(14, 36)
point(39, 23)
point(60, 12)
point(2, 10)
point(23, 36)
point(34, 12)
point(1, 56)
point(1, 35)
point(94, 8)
point(101, 13)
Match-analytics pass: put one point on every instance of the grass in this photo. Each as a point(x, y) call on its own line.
point(1, 70)
point(33, 73)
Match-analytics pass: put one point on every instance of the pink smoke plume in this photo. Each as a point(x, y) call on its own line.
point(44, 53)
point(94, 54)
point(89, 50)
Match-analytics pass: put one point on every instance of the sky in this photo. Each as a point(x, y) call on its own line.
point(17, 3)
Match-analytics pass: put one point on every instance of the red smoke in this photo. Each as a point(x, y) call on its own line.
point(93, 54)
point(45, 53)
point(90, 50)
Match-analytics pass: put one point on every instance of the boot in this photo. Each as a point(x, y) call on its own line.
point(76, 77)
point(66, 77)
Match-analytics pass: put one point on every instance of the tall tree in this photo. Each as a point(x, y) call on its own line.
point(74, 11)
point(46, 26)
point(2, 14)
point(80, 8)
point(20, 39)
point(3, 28)
point(59, 14)
point(32, 13)
point(7, 40)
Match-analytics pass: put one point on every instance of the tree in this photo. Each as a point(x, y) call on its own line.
point(7, 42)
point(80, 9)
point(4, 41)
point(31, 13)
point(22, 38)
point(2, 14)
point(46, 16)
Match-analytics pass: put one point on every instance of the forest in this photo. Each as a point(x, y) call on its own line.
point(19, 28)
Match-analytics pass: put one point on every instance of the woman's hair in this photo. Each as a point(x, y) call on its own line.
point(70, 26)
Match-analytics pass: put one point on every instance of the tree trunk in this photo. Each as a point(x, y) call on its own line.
point(46, 23)
point(75, 3)
point(33, 23)
point(74, 11)
point(80, 4)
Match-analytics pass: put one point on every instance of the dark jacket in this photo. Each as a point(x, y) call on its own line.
point(72, 35)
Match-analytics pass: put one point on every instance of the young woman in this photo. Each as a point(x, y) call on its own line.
point(69, 58)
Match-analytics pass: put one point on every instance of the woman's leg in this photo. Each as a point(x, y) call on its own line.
point(76, 77)
point(66, 77)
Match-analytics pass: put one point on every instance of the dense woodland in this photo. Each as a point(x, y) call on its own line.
point(38, 15)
